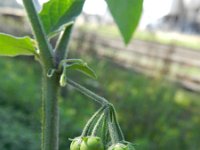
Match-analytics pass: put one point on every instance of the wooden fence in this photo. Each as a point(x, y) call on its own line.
point(12, 13)
point(178, 64)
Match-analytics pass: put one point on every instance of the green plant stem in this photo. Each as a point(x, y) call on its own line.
point(50, 112)
point(50, 86)
point(105, 131)
point(117, 126)
point(43, 44)
point(61, 47)
point(97, 125)
point(114, 128)
point(91, 121)
point(88, 93)
point(111, 127)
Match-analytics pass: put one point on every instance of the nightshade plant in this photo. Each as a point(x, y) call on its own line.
point(57, 17)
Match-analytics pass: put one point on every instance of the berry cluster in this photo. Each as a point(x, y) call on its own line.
point(102, 132)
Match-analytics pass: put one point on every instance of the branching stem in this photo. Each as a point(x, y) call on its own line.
point(113, 125)
point(43, 44)
point(117, 126)
point(88, 93)
point(50, 84)
point(62, 44)
point(91, 121)
point(97, 125)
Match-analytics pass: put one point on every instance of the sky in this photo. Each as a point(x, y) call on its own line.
point(152, 11)
point(89, 7)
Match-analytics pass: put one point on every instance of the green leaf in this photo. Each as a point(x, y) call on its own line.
point(58, 13)
point(126, 14)
point(13, 46)
point(84, 68)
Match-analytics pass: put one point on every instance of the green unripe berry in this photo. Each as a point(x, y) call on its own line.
point(76, 144)
point(92, 143)
point(120, 146)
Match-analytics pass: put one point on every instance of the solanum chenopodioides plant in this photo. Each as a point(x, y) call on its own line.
point(57, 17)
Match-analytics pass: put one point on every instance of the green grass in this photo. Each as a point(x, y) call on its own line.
point(169, 38)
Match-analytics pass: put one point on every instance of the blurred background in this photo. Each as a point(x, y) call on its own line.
point(154, 82)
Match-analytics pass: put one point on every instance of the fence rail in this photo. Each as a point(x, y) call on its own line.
point(146, 57)
point(13, 12)
point(179, 64)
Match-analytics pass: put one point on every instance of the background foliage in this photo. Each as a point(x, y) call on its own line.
point(154, 114)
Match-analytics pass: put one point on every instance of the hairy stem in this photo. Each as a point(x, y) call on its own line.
point(50, 86)
point(50, 113)
point(91, 120)
point(97, 125)
point(105, 131)
point(43, 44)
point(88, 93)
point(61, 47)
point(111, 127)
point(117, 126)
point(114, 128)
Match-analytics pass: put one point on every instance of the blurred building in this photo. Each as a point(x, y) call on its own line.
point(177, 15)
point(183, 16)
point(12, 18)
point(10, 3)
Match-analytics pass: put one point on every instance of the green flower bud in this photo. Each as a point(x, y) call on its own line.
point(63, 80)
